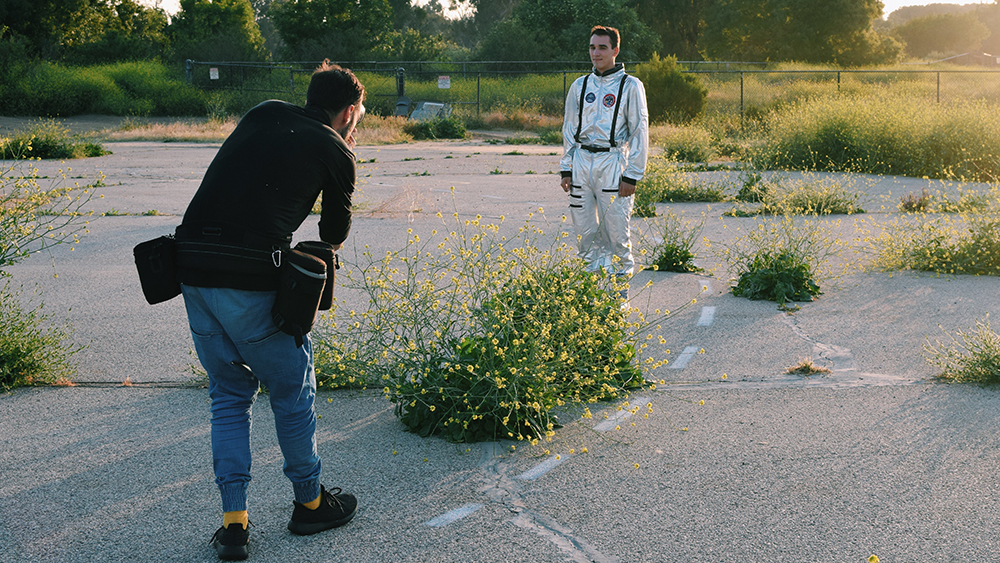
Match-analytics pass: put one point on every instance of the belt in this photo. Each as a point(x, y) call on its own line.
point(592, 148)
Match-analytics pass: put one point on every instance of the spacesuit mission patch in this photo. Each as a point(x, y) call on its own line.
point(609, 100)
point(590, 97)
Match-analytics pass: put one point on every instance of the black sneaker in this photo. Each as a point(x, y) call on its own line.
point(335, 509)
point(230, 542)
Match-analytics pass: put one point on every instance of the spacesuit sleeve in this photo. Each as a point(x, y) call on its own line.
point(570, 118)
point(637, 117)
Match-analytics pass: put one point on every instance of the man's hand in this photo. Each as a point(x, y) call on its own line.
point(565, 183)
point(625, 189)
point(351, 142)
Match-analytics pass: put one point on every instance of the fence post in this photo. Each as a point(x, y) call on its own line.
point(564, 85)
point(400, 82)
point(838, 81)
point(291, 80)
point(189, 70)
point(741, 100)
point(478, 90)
point(939, 87)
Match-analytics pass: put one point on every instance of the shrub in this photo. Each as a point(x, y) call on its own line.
point(476, 336)
point(807, 195)
point(974, 356)
point(684, 144)
point(48, 139)
point(671, 95)
point(882, 135)
point(664, 182)
point(672, 241)
point(32, 351)
point(440, 128)
point(781, 260)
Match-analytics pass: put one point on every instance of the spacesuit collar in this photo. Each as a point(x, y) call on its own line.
point(610, 71)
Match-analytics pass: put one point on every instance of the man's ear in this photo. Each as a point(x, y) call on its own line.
point(343, 117)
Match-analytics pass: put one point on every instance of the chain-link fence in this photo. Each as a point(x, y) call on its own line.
point(734, 89)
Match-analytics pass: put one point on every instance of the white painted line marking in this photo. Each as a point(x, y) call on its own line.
point(684, 358)
point(453, 515)
point(707, 316)
point(620, 416)
point(542, 468)
point(706, 286)
point(492, 196)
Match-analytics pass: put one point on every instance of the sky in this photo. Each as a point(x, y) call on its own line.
point(172, 6)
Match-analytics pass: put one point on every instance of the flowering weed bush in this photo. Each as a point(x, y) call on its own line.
point(970, 356)
point(32, 219)
point(781, 260)
point(476, 336)
point(48, 139)
point(808, 195)
point(664, 182)
point(670, 240)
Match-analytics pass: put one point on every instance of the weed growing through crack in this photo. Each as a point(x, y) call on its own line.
point(664, 182)
point(968, 356)
point(475, 335)
point(781, 259)
point(806, 367)
point(666, 243)
point(805, 195)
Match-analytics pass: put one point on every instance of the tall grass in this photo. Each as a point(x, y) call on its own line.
point(884, 136)
point(131, 88)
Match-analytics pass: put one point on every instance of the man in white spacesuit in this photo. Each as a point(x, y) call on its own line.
point(606, 143)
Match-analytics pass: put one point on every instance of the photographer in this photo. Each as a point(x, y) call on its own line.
point(236, 232)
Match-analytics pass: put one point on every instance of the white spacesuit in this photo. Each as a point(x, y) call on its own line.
point(606, 141)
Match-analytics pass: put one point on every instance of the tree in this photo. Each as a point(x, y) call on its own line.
point(560, 30)
point(217, 30)
point(118, 31)
point(342, 30)
point(834, 31)
point(946, 34)
point(678, 23)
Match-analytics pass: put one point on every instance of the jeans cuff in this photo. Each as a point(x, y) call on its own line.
point(306, 491)
point(234, 496)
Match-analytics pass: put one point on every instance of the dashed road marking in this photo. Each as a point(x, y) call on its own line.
point(707, 316)
point(453, 515)
point(620, 416)
point(684, 358)
point(542, 468)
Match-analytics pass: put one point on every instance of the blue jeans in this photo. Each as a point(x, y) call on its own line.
point(240, 348)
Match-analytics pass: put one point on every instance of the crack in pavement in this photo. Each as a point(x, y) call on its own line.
point(502, 489)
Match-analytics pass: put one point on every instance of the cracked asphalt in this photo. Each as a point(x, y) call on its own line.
point(873, 457)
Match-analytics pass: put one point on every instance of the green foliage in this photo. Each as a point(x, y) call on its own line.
point(684, 144)
point(881, 135)
point(47, 139)
point(129, 88)
point(805, 195)
point(440, 128)
point(33, 218)
point(781, 259)
point(664, 182)
point(670, 94)
point(944, 34)
point(837, 31)
point(971, 357)
point(966, 243)
point(673, 244)
point(217, 30)
point(477, 336)
point(547, 30)
point(32, 350)
point(781, 278)
point(335, 29)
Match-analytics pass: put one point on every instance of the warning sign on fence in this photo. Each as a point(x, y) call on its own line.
point(213, 74)
point(444, 82)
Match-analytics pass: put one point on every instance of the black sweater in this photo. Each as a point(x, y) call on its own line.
point(263, 183)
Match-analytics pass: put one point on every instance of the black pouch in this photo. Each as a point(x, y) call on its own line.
point(156, 261)
point(300, 287)
point(324, 251)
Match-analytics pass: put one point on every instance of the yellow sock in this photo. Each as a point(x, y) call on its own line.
point(235, 517)
point(314, 504)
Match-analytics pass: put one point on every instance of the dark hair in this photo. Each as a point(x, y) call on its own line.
point(608, 32)
point(334, 88)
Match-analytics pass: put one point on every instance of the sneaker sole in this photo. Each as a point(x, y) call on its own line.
point(231, 552)
point(309, 528)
